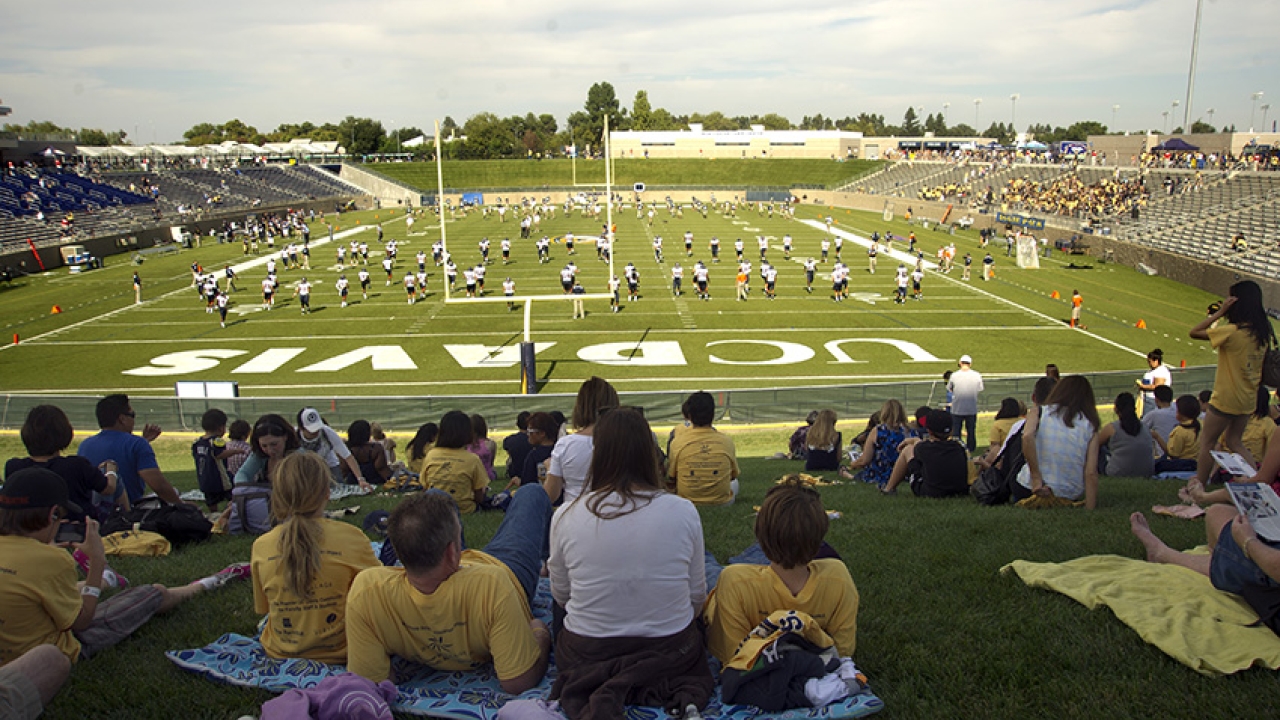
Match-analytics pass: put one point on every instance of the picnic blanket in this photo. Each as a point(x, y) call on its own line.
point(1171, 607)
point(475, 695)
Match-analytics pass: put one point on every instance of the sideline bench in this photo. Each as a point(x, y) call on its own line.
point(140, 256)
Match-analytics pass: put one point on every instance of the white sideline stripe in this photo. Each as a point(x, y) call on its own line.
point(526, 298)
point(838, 379)
point(866, 243)
point(1039, 314)
point(508, 333)
point(238, 268)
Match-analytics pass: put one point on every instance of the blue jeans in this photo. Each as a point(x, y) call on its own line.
point(523, 537)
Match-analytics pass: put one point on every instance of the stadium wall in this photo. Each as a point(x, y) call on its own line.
point(752, 406)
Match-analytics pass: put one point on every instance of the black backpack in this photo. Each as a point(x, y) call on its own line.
point(177, 523)
point(994, 485)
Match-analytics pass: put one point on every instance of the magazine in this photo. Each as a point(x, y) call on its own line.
point(1233, 464)
point(1259, 503)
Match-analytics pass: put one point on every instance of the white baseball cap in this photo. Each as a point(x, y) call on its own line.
point(311, 421)
point(964, 360)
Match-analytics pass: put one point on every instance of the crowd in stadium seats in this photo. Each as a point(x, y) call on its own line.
point(1070, 196)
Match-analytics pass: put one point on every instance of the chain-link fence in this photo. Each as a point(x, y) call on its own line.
point(736, 407)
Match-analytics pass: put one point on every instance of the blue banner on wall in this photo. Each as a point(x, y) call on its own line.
point(1020, 220)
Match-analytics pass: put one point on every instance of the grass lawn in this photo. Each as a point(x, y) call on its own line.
point(486, 174)
point(942, 634)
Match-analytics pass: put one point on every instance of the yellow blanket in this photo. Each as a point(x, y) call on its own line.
point(1171, 607)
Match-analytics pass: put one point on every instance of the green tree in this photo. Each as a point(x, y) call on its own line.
point(774, 121)
point(361, 136)
point(714, 121)
point(601, 101)
point(999, 132)
point(662, 119)
point(98, 138)
point(961, 130)
point(488, 137)
point(641, 111)
point(1202, 127)
point(935, 124)
point(910, 123)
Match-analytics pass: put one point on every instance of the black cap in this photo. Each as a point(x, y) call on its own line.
point(35, 487)
point(938, 422)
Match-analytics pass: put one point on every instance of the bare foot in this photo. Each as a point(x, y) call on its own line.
point(1155, 546)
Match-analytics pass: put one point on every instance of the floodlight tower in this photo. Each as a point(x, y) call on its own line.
point(1164, 126)
point(1173, 114)
point(1265, 108)
point(945, 107)
point(1252, 114)
point(1114, 109)
point(1210, 112)
point(1013, 113)
point(977, 103)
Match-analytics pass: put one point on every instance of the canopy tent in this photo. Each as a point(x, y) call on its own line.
point(1176, 145)
point(1033, 145)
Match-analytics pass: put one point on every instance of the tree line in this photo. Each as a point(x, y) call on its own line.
point(488, 136)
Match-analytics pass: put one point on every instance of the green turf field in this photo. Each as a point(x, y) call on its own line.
point(102, 341)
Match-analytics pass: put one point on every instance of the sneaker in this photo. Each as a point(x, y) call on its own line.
point(234, 571)
point(110, 578)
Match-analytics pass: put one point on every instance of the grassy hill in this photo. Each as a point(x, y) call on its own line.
point(486, 174)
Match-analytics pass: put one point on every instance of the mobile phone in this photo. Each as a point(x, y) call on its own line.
point(70, 531)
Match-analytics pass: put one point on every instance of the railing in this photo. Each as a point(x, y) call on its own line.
point(735, 407)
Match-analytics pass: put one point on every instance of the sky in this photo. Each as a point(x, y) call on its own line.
point(155, 69)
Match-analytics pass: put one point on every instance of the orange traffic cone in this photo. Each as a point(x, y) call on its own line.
point(1055, 295)
point(15, 338)
point(1182, 364)
point(57, 310)
point(1141, 324)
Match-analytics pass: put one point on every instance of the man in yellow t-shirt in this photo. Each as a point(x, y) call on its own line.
point(451, 608)
point(702, 463)
point(789, 528)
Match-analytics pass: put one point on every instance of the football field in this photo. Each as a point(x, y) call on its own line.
point(102, 341)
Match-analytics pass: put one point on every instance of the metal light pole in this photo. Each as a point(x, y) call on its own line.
point(977, 126)
point(1164, 127)
point(1013, 120)
point(1256, 97)
point(1265, 108)
point(1114, 110)
point(1191, 73)
point(1210, 112)
point(1174, 114)
point(945, 107)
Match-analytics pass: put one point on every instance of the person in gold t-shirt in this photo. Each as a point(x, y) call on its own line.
point(452, 608)
point(450, 467)
point(790, 528)
point(304, 566)
point(702, 464)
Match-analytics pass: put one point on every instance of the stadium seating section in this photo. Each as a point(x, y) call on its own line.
point(120, 202)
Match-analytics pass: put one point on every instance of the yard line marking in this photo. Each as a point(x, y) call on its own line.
point(898, 255)
point(507, 333)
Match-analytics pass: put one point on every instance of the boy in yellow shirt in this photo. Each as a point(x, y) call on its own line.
point(790, 528)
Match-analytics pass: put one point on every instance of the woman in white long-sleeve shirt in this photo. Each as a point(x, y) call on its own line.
point(627, 565)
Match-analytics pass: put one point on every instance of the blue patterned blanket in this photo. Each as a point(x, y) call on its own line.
point(475, 695)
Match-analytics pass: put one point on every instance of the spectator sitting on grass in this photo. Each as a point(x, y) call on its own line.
point(479, 600)
point(1060, 444)
point(46, 433)
point(482, 447)
point(881, 449)
point(450, 467)
point(796, 448)
point(211, 453)
point(1010, 412)
point(822, 443)
point(1183, 446)
point(571, 457)
point(702, 464)
point(420, 444)
point(135, 460)
point(541, 431)
point(935, 465)
point(42, 601)
point(1162, 420)
point(314, 434)
point(1128, 444)
point(790, 529)
point(304, 566)
point(370, 456)
point(516, 445)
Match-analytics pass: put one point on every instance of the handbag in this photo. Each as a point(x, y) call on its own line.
point(1265, 601)
point(1271, 366)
